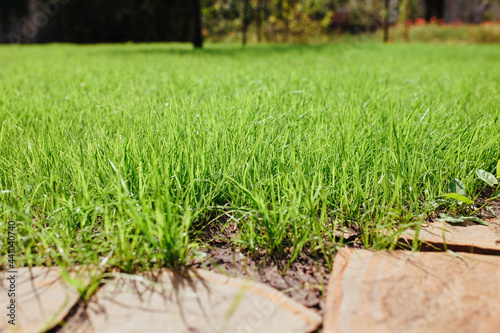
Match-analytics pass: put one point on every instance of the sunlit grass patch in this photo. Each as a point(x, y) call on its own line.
point(122, 155)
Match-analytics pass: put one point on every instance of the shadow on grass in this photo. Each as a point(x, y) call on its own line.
point(222, 50)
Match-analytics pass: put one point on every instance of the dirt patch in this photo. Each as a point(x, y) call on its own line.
point(304, 281)
point(492, 210)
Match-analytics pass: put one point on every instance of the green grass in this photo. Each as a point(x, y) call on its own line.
point(290, 142)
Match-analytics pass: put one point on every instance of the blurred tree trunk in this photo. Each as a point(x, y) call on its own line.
point(30, 27)
point(405, 12)
point(279, 9)
point(244, 22)
point(258, 19)
point(279, 13)
point(286, 12)
point(197, 37)
point(387, 15)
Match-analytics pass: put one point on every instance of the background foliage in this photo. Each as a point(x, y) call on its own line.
point(93, 21)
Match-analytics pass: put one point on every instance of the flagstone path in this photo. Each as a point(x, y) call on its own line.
point(42, 299)
point(397, 291)
point(401, 291)
point(200, 301)
point(466, 237)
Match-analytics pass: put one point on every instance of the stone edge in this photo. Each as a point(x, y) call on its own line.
point(309, 316)
point(333, 301)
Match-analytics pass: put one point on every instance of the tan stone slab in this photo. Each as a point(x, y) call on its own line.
point(470, 237)
point(42, 299)
point(205, 302)
point(401, 291)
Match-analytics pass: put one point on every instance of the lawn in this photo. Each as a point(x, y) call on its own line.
point(125, 155)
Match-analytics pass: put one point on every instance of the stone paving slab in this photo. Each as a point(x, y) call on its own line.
point(470, 237)
point(401, 291)
point(203, 302)
point(42, 299)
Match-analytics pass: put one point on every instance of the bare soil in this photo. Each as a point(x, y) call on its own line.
point(304, 281)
